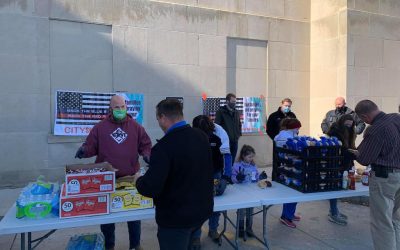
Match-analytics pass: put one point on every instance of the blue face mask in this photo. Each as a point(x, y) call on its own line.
point(286, 110)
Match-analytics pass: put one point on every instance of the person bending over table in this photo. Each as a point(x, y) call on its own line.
point(344, 130)
point(222, 165)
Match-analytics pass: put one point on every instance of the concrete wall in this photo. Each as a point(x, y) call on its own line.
point(327, 58)
point(373, 65)
point(170, 48)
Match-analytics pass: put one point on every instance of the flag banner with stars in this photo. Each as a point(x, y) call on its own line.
point(78, 112)
point(251, 110)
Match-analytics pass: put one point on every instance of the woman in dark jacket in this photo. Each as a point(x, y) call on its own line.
point(344, 130)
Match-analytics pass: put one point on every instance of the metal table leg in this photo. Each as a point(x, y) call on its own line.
point(265, 210)
point(227, 219)
point(29, 241)
point(22, 241)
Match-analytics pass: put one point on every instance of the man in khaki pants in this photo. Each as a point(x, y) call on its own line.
point(380, 148)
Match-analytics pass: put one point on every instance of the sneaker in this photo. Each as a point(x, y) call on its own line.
point(343, 216)
point(337, 219)
point(296, 218)
point(195, 245)
point(249, 233)
point(287, 222)
point(213, 234)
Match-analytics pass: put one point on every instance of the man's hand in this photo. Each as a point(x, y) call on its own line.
point(136, 176)
point(354, 152)
point(80, 153)
point(146, 159)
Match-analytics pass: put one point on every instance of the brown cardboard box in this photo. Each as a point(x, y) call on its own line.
point(90, 183)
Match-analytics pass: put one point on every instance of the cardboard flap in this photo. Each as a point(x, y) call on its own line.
point(105, 165)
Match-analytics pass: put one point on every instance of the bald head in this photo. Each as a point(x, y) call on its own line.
point(367, 110)
point(340, 102)
point(117, 102)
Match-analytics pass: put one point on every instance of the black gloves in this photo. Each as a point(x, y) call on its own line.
point(240, 176)
point(80, 153)
point(263, 176)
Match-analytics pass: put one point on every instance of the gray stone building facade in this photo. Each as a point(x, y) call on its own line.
point(308, 50)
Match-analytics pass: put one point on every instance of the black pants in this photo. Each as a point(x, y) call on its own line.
point(134, 230)
point(234, 148)
point(175, 238)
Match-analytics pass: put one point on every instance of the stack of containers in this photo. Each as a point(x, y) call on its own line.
point(309, 165)
point(126, 197)
point(38, 200)
point(92, 189)
point(87, 190)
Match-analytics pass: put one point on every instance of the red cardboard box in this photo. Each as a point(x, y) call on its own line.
point(90, 183)
point(85, 205)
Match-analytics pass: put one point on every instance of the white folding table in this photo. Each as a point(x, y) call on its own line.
point(235, 197)
point(280, 194)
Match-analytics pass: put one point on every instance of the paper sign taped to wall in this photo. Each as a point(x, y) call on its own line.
point(77, 112)
point(251, 111)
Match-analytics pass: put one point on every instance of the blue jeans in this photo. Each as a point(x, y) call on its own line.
point(233, 145)
point(334, 209)
point(175, 238)
point(288, 210)
point(108, 231)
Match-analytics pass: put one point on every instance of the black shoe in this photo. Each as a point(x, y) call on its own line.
point(241, 233)
point(195, 245)
point(249, 233)
point(214, 235)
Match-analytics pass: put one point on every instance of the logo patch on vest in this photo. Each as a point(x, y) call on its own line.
point(119, 135)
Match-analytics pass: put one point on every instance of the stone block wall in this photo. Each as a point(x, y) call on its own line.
point(158, 48)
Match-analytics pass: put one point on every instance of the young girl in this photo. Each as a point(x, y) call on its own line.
point(245, 171)
point(289, 129)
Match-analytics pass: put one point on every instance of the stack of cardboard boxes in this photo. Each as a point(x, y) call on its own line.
point(90, 189)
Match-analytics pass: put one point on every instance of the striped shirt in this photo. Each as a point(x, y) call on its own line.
point(381, 143)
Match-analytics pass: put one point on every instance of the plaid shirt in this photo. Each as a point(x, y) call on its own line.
point(381, 143)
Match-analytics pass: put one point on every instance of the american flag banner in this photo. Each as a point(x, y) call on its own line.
point(78, 112)
point(251, 110)
point(212, 104)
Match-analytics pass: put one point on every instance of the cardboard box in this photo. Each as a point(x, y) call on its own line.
point(85, 205)
point(126, 197)
point(124, 200)
point(90, 183)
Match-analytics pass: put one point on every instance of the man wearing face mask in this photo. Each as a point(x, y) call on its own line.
point(274, 120)
point(341, 109)
point(119, 140)
point(229, 119)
